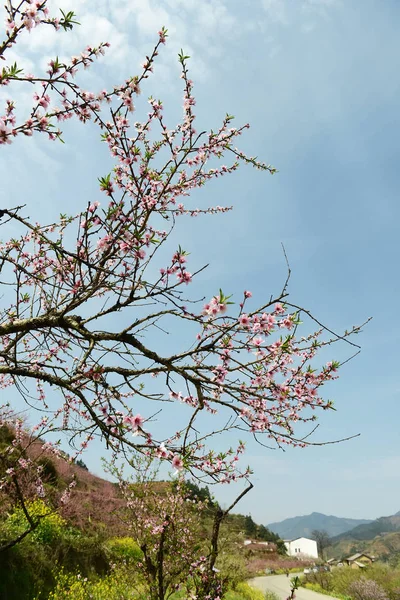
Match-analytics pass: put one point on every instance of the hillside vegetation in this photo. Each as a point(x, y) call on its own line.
point(382, 547)
point(83, 548)
point(376, 582)
point(380, 538)
point(368, 531)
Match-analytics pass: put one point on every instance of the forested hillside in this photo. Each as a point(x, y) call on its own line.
point(94, 530)
point(370, 530)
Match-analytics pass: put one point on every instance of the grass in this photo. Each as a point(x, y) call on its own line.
point(244, 592)
point(315, 587)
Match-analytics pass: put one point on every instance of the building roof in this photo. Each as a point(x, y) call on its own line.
point(357, 555)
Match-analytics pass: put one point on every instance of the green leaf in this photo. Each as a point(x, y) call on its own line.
point(67, 22)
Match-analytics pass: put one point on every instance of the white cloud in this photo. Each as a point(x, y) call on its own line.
point(202, 29)
point(318, 9)
point(286, 12)
point(147, 16)
point(319, 3)
point(276, 10)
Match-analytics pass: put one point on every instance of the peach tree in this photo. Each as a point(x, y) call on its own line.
point(88, 296)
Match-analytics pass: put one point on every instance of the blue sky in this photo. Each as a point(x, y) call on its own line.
point(319, 82)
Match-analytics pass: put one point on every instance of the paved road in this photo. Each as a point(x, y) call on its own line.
point(280, 584)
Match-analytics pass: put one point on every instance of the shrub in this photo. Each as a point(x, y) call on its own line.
point(124, 549)
point(49, 471)
point(50, 526)
point(28, 567)
point(386, 577)
point(232, 569)
point(116, 586)
point(77, 551)
point(244, 592)
point(315, 587)
point(342, 578)
point(367, 589)
point(340, 581)
point(6, 436)
point(271, 596)
point(323, 579)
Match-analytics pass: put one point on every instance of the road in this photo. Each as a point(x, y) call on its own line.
point(280, 584)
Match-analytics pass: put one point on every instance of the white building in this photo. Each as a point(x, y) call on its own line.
point(302, 547)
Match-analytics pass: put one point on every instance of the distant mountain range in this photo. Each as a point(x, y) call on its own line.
point(369, 531)
point(295, 527)
point(380, 538)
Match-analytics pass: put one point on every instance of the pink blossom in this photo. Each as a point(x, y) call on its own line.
point(162, 452)
point(104, 242)
point(177, 462)
point(244, 320)
point(137, 421)
point(279, 310)
point(184, 277)
point(40, 489)
point(4, 133)
point(286, 323)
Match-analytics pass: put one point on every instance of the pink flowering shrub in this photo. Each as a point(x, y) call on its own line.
point(165, 521)
point(367, 589)
point(28, 475)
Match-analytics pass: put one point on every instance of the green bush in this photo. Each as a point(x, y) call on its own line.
point(19, 575)
point(29, 566)
point(124, 549)
point(232, 570)
point(315, 587)
point(50, 526)
point(244, 592)
point(271, 596)
point(344, 577)
point(340, 582)
point(86, 553)
point(6, 436)
point(116, 586)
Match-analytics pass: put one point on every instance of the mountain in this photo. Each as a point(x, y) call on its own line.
point(369, 531)
point(383, 547)
point(304, 525)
